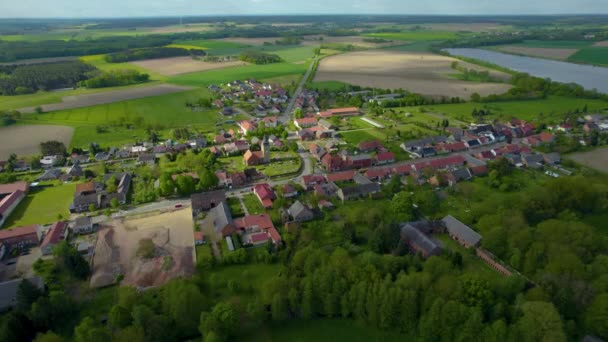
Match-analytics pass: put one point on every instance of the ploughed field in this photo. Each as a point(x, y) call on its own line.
point(550, 53)
point(596, 159)
point(423, 73)
point(182, 65)
point(25, 140)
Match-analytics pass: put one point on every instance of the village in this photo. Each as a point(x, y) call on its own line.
point(241, 188)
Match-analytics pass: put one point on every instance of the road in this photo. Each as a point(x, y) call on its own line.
point(286, 116)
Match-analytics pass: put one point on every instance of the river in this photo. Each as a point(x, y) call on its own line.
point(588, 76)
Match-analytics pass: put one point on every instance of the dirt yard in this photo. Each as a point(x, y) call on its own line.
point(182, 65)
point(422, 73)
point(597, 159)
point(79, 101)
point(25, 140)
point(117, 244)
point(550, 53)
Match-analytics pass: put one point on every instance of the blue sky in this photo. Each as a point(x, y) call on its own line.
point(139, 8)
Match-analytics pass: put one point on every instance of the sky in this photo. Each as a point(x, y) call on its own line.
point(146, 8)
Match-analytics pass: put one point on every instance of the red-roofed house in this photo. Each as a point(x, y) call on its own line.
point(257, 229)
point(340, 176)
point(454, 147)
point(305, 122)
point(378, 173)
point(309, 181)
point(480, 170)
point(350, 111)
point(21, 236)
point(332, 163)
point(54, 235)
point(370, 146)
point(265, 194)
point(246, 126)
point(289, 191)
point(403, 170)
point(10, 197)
point(384, 158)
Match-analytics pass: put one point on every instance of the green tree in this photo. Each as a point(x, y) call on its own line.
point(27, 294)
point(279, 307)
point(89, 331)
point(185, 185)
point(223, 321)
point(119, 317)
point(402, 207)
point(68, 258)
point(114, 203)
point(111, 185)
point(130, 334)
point(166, 185)
point(208, 180)
point(182, 302)
point(596, 316)
point(49, 336)
point(540, 322)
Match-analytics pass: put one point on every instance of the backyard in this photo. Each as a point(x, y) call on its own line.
point(253, 204)
point(43, 206)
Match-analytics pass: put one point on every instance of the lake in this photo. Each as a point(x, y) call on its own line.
point(588, 76)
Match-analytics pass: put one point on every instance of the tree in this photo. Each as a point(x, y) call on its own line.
point(279, 307)
point(114, 203)
point(27, 294)
point(208, 180)
point(52, 148)
point(223, 321)
point(596, 316)
point(48, 337)
point(402, 207)
point(68, 257)
point(89, 331)
point(182, 302)
point(166, 185)
point(130, 334)
point(38, 110)
point(185, 185)
point(119, 317)
point(111, 185)
point(92, 208)
point(540, 322)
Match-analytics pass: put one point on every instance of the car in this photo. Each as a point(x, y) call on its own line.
point(179, 205)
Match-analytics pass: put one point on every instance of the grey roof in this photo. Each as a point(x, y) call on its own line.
point(146, 157)
point(85, 200)
point(533, 158)
point(83, 221)
point(207, 200)
point(462, 174)
point(8, 291)
point(360, 179)
point(50, 174)
point(461, 230)
point(221, 216)
point(418, 240)
point(297, 209)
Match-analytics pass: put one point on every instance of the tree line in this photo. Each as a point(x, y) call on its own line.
point(150, 53)
point(25, 79)
point(114, 78)
point(257, 57)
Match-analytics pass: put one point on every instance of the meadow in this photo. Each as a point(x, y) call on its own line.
point(555, 44)
point(591, 55)
point(203, 79)
point(415, 35)
point(100, 63)
point(43, 206)
point(215, 47)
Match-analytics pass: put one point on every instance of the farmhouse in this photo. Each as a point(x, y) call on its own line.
point(205, 201)
point(82, 225)
point(219, 220)
point(54, 235)
point(305, 122)
point(10, 197)
point(21, 237)
point(257, 230)
point(265, 194)
point(416, 236)
point(350, 111)
point(460, 232)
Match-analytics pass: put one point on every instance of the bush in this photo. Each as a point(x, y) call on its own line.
point(146, 249)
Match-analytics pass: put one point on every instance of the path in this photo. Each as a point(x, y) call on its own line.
point(286, 115)
point(245, 210)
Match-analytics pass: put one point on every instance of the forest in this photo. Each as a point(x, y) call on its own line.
point(257, 57)
point(116, 78)
point(25, 79)
point(150, 53)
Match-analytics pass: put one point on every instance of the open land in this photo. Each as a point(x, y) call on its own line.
point(422, 73)
point(353, 40)
point(25, 140)
point(182, 65)
point(79, 101)
point(591, 55)
point(551, 53)
point(597, 159)
point(468, 27)
point(603, 43)
point(115, 252)
point(41, 206)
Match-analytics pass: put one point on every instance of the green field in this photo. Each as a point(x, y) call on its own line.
point(551, 108)
point(100, 63)
point(216, 47)
point(556, 44)
point(43, 206)
point(416, 35)
point(418, 46)
point(591, 55)
point(329, 85)
point(206, 78)
point(292, 54)
point(321, 330)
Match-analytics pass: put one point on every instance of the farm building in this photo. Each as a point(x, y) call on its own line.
point(54, 235)
point(350, 111)
point(10, 197)
point(460, 232)
point(205, 201)
point(21, 237)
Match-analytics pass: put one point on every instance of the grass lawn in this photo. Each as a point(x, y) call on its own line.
point(320, 330)
point(548, 110)
point(203, 252)
point(285, 163)
point(43, 206)
point(253, 204)
point(216, 47)
point(591, 55)
point(256, 276)
point(471, 263)
point(415, 35)
point(355, 137)
point(291, 54)
point(329, 85)
point(235, 207)
point(206, 78)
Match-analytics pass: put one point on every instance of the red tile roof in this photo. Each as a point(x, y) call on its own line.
point(403, 169)
point(377, 173)
point(9, 200)
point(199, 236)
point(370, 145)
point(340, 176)
point(85, 187)
point(385, 156)
point(55, 234)
point(264, 191)
point(259, 237)
point(307, 121)
point(12, 187)
point(339, 111)
point(18, 232)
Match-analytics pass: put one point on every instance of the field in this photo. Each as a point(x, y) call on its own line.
point(591, 55)
point(548, 110)
point(416, 35)
point(422, 73)
point(329, 85)
point(206, 78)
point(555, 44)
point(550, 53)
point(353, 40)
point(100, 63)
point(215, 47)
point(468, 27)
point(182, 65)
point(86, 100)
point(43, 206)
point(597, 159)
point(25, 140)
point(115, 252)
point(321, 330)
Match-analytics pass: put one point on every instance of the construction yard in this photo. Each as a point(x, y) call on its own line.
point(117, 252)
